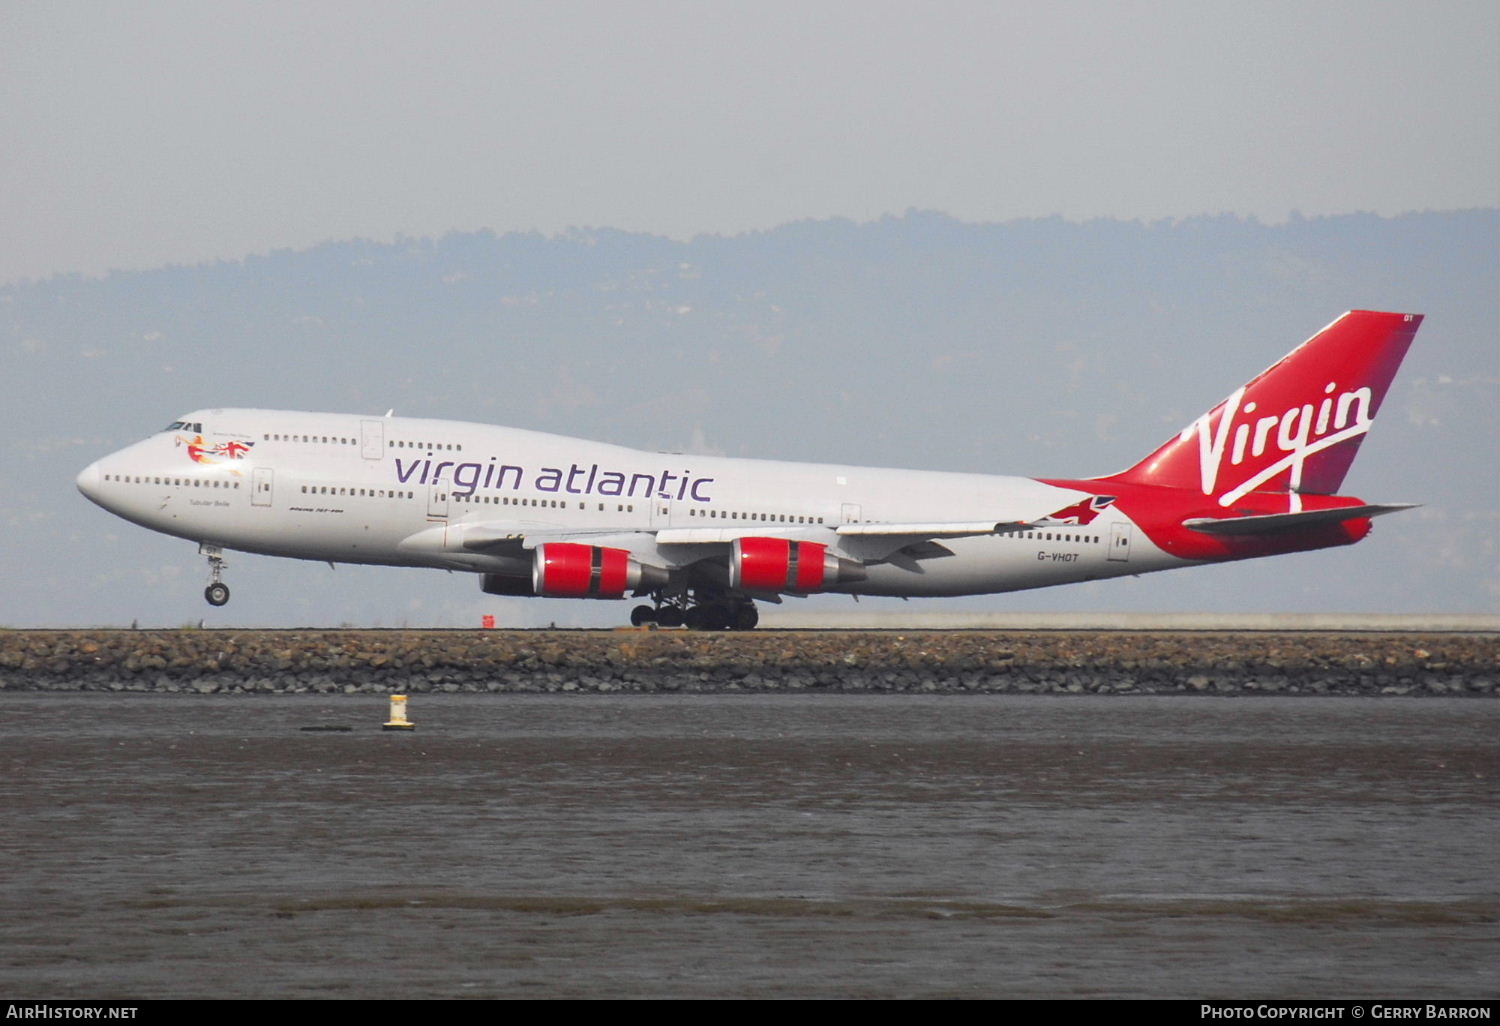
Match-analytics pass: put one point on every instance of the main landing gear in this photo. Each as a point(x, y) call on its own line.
point(217, 592)
point(717, 614)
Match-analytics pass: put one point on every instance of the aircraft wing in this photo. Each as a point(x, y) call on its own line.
point(918, 532)
point(500, 537)
point(487, 537)
point(932, 529)
point(1275, 523)
point(506, 537)
point(903, 544)
point(490, 536)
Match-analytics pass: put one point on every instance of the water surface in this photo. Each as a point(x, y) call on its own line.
point(897, 845)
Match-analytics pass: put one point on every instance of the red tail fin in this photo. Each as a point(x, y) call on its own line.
point(1298, 425)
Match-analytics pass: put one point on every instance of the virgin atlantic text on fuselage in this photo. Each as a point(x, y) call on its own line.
point(468, 478)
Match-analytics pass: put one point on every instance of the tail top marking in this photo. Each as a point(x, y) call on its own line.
point(1297, 426)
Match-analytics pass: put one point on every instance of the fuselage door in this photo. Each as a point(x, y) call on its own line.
point(1119, 542)
point(372, 439)
point(437, 498)
point(260, 486)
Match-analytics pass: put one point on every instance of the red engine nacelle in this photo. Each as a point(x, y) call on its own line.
point(571, 570)
point(780, 564)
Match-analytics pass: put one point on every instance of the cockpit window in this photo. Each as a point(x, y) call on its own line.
point(185, 425)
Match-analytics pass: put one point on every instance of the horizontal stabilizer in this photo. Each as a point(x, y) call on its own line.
point(1275, 523)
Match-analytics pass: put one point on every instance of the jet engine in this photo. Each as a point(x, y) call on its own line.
point(572, 570)
point(780, 564)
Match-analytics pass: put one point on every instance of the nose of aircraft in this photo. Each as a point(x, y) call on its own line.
point(88, 481)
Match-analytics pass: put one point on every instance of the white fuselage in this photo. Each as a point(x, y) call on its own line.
point(433, 493)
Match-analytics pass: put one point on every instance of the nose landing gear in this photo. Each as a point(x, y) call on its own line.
point(217, 593)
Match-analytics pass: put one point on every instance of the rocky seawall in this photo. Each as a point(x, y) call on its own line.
point(960, 661)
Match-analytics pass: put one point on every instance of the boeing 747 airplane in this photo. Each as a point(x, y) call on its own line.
point(703, 538)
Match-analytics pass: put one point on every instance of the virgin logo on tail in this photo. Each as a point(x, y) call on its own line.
point(1297, 426)
point(1296, 431)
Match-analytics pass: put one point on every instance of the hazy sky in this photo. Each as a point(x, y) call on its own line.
point(136, 134)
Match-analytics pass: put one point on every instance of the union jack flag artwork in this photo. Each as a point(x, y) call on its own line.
point(234, 450)
point(1084, 512)
point(200, 452)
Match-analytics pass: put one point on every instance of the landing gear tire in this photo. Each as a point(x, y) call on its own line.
point(669, 616)
point(217, 592)
point(710, 616)
point(745, 617)
point(642, 615)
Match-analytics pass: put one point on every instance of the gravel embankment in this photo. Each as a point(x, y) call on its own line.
point(1130, 662)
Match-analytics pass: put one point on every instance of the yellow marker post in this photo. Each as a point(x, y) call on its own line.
point(398, 720)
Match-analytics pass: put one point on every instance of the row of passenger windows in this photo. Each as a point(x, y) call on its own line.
point(178, 482)
point(423, 445)
point(779, 518)
point(506, 500)
point(340, 440)
point(1086, 539)
point(369, 493)
point(325, 439)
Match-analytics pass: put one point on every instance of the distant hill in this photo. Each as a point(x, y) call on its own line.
point(1031, 347)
